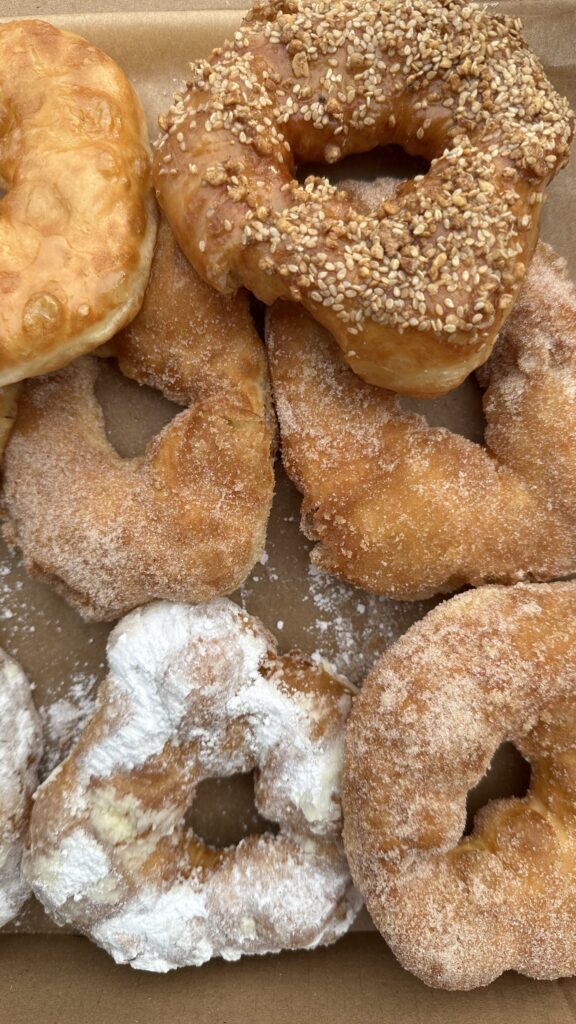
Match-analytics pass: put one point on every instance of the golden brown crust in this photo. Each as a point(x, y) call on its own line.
point(491, 665)
point(185, 521)
point(415, 292)
point(77, 224)
point(408, 510)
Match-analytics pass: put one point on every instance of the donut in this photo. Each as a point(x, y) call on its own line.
point(196, 692)
point(416, 293)
point(489, 665)
point(20, 750)
point(186, 520)
point(408, 510)
point(77, 223)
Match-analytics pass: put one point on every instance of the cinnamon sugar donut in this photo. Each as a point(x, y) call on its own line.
point(20, 749)
point(490, 665)
point(409, 510)
point(187, 520)
point(195, 692)
point(416, 292)
point(77, 223)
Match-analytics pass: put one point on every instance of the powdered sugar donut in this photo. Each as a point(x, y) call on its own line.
point(20, 749)
point(197, 692)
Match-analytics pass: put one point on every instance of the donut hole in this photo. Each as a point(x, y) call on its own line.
point(460, 411)
point(369, 169)
point(224, 811)
point(258, 313)
point(133, 413)
point(508, 775)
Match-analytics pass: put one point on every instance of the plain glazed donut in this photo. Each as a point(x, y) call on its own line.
point(77, 224)
point(416, 293)
point(187, 520)
point(489, 665)
point(20, 750)
point(195, 692)
point(409, 510)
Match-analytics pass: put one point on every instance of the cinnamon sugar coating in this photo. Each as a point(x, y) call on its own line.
point(487, 666)
point(77, 223)
point(192, 693)
point(415, 292)
point(409, 510)
point(187, 520)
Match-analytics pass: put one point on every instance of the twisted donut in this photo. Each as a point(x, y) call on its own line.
point(408, 510)
point(491, 665)
point(20, 749)
point(415, 293)
point(77, 224)
point(187, 520)
point(193, 693)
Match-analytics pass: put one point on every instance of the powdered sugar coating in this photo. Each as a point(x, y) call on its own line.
point(20, 749)
point(195, 692)
point(494, 665)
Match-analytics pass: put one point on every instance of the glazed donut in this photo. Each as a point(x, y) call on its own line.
point(20, 749)
point(416, 293)
point(195, 692)
point(489, 665)
point(187, 520)
point(408, 510)
point(77, 224)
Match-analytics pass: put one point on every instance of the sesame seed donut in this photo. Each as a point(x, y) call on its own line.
point(20, 749)
point(197, 692)
point(77, 223)
point(408, 510)
point(416, 292)
point(186, 520)
point(487, 666)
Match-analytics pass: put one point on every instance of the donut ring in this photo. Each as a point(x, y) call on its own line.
point(77, 224)
point(20, 750)
point(458, 910)
point(195, 692)
point(409, 510)
point(415, 294)
point(188, 518)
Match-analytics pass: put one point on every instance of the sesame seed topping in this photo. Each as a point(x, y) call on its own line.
point(439, 257)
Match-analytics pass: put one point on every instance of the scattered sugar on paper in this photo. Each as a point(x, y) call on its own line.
point(348, 627)
point(64, 720)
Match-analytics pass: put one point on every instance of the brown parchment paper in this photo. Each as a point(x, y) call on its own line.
point(65, 657)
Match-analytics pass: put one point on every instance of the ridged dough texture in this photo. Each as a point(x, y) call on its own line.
point(77, 223)
point(493, 665)
point(192, 693)
point(186, 520)
point(20, 750)
point(409, 510)
point(416, 292)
